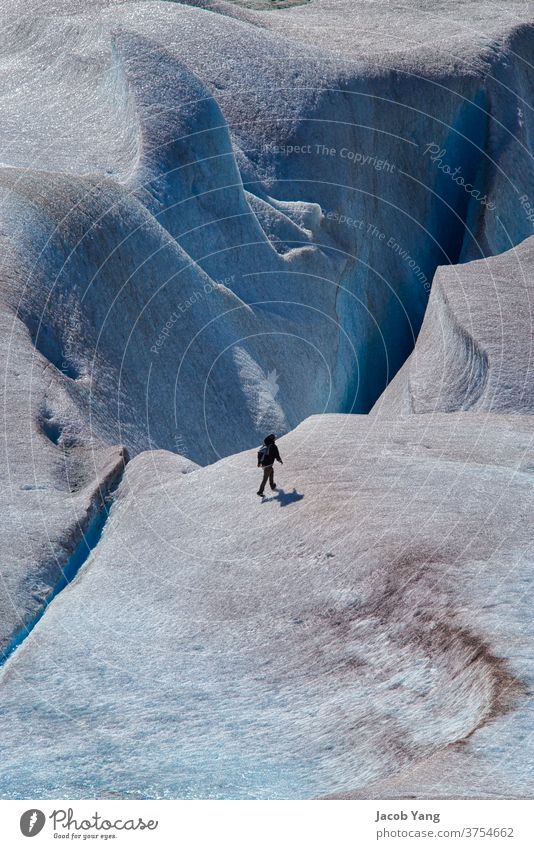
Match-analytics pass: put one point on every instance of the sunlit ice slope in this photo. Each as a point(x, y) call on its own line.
point(372, 613)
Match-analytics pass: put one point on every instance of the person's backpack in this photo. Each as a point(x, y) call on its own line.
point(264, 454)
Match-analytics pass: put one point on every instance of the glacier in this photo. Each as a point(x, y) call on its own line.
point(219, 220)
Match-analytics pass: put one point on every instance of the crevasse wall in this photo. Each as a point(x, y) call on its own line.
point(213, 230)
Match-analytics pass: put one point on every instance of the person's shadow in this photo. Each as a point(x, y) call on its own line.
point(284, 498)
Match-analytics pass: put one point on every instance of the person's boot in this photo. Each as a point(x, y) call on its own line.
point(273, 487)
point(259, 492)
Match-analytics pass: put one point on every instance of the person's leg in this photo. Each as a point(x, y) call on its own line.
point(266, 470)
point(271, 478)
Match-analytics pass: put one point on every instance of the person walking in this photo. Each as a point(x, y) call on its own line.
point(267, 454)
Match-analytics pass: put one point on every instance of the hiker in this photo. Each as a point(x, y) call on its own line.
point(267, 454)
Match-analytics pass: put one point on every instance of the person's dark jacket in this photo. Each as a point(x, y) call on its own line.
point(271, 454)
